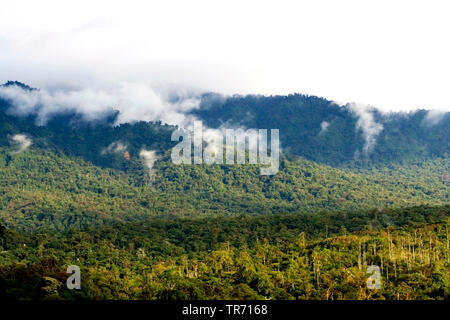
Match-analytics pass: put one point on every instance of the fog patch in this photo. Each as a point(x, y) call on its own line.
point(433, 117)
point(115, 147)
point(367, 124)
point(149, 157)
point(21, 141)
point(324, 126)
point(134, 101)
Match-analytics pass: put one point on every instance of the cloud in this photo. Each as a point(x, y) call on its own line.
point(149, 157)
point(223, 47)
point(135, 102)
point(370, 128)
point(22, 141)
point(433, 117)
point(324, 126)
point(115, 147)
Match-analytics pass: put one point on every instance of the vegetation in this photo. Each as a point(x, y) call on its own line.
point(80, 195)
point(43, 190)
point(278, 257)
point(405, 137)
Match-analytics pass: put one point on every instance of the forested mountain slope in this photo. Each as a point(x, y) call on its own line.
point(325, 132)
point(78, 192)
point(311, 127)
point(42, 189)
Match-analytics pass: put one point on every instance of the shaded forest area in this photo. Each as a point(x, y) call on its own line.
point(276, 257)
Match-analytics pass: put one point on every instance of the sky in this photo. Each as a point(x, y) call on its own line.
point(393, 55)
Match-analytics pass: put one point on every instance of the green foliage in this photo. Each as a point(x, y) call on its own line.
point(404, 138)
point(43, 190)
point(133, 263)
point(225, 231)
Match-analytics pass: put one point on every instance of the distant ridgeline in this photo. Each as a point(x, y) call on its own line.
point(72, 134)
point(310, 127)
point(321, 131)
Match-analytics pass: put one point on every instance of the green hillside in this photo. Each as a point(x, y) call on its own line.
point(403, 137)
point(277, 257)
point(76, 192)
point(41, 189)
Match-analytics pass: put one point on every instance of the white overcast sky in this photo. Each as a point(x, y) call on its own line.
point(390, 54)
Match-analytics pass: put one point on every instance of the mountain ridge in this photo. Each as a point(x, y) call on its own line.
point(311, 127)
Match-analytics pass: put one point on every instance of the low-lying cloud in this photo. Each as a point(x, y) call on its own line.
point(114, 147)
point(149, 157)
point(433, 117)
point(223, 47)
point(134, 101)
point(367, 124)
point(22, 141)
point(324, 126)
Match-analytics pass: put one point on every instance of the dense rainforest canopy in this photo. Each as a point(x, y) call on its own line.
point(78, 193)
